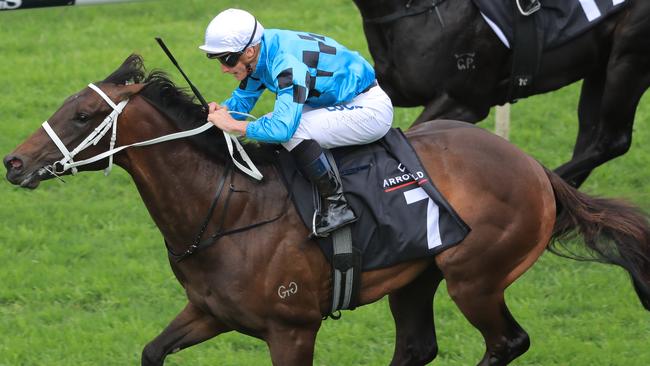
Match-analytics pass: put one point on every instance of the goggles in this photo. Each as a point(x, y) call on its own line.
point(229, 59)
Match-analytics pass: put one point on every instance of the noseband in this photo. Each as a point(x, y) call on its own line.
point(110, 121)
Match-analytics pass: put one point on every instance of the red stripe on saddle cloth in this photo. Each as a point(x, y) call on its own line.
point(420, 182)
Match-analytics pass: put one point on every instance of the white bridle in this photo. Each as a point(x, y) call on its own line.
point(110, 121)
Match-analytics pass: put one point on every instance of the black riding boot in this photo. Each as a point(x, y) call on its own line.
point(335, 211)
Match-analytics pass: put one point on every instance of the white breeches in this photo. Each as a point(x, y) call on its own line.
point(364, 119)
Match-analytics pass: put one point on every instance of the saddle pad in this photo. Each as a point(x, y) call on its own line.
point(558, 20)
point(402, 216)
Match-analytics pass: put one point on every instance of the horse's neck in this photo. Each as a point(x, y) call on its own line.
point(173, 191)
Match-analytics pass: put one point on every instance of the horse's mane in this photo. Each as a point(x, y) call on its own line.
point(182, 108)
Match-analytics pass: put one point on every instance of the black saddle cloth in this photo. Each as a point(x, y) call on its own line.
point(402, 216)
point(558, 20)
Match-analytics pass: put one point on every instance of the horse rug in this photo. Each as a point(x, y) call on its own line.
point(402, 215)
point(558, 20)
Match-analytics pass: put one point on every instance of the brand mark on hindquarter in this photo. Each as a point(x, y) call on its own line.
point(465, 61)
point(286, 291)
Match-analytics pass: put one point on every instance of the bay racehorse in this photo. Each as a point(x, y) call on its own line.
point(513, 205)
point(415, 45)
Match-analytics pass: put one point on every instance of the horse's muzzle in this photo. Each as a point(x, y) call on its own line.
point(17, 173)
point(12, 162)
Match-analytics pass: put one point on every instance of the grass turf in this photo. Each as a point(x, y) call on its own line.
point(84, 273)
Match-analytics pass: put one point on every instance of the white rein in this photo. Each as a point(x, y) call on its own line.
point(111, 122)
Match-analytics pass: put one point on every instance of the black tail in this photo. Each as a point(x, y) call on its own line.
point(614, 232)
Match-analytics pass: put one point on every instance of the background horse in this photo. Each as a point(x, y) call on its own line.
point(513, 205)
point(419, 62)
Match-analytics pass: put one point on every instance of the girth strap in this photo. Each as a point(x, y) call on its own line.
point(346, 263)
point(526, 49)
point(346, 271)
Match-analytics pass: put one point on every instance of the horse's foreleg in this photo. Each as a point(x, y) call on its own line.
point(412, 309)
point(190, 327)
point(291, 345)
point(445, 107)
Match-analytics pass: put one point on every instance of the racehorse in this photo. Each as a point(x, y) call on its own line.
point(513, 205)
point(421, 47)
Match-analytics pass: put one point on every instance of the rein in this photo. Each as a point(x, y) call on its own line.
point(408, 11)
point(197, 244)
point(111, 122)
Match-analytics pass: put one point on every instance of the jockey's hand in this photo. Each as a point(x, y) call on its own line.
point(212, 106)
point(222, 119)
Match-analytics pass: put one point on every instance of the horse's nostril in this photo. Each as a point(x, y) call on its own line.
point(13, 163)
point(16, 163)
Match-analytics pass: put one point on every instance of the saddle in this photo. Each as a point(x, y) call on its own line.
point(530, 27)
point(402, 215)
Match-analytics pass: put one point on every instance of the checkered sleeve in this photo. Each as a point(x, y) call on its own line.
point(243, 98)
point(291, 78)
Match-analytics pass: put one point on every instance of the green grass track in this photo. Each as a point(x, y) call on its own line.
point(84, 278)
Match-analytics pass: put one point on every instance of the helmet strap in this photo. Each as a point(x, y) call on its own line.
point(249, 68)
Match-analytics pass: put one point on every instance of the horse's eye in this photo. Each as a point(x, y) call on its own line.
point(82, 117)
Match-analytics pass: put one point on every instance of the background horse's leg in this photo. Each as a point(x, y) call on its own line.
point(628, 77)
point(411, 306)
point(191, 326)
point(291, 345)
point(591, 95)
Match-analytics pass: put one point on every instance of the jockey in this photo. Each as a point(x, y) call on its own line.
point(326, 97)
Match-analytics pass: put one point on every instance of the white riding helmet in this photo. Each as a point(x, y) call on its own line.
point(232, 30)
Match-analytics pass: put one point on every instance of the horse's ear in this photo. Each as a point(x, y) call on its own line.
point(126, 91)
